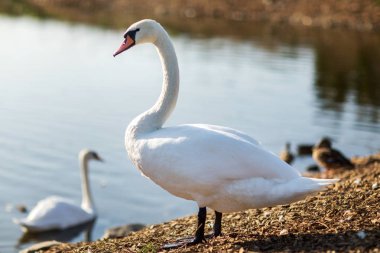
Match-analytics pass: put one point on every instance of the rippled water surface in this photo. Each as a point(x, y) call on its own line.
point(61, 90)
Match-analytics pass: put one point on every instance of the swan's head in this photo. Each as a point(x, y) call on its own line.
point(87, 155)
point(144, 31)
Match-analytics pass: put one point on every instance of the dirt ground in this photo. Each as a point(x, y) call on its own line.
point(346, 217)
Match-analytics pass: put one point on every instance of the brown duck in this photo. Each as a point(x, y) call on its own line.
point(329, 158)
point(286, 155)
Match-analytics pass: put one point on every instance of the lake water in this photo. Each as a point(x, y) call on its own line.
point(61, 90)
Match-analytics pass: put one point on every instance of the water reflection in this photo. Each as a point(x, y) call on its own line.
point(65, 235)
point(348, 68)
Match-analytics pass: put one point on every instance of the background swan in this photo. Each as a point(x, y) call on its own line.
point(218, 167)
point(60, 213)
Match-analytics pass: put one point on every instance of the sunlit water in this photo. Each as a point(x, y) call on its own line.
point(61, 90)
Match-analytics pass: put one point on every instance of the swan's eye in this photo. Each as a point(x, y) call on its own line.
point(131, 33)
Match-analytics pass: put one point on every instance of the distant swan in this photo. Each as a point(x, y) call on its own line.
point(55, 212)
point(218, 167)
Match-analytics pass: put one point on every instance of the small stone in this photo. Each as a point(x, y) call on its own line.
point(361, 234)
point(266, 213)
point(375, 186)
point(122, 231)
point(284, 232)
point(357, 181)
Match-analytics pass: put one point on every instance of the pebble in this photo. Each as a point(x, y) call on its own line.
point(361, 234)
point(266, 213)
point(122, 231)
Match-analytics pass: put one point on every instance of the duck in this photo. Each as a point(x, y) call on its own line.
point(305, 149)
point(286, 155)
point(329, 158)
point(218, 167)
point(58, 213)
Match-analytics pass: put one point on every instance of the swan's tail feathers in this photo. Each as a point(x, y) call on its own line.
point(299, 188)
point(261, 192)
point(325, 182)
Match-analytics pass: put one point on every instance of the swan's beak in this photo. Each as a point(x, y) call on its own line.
point(128, 43)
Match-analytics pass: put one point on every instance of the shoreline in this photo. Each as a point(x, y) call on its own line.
point(343, 218)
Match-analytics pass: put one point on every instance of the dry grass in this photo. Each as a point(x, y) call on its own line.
point(346, 217)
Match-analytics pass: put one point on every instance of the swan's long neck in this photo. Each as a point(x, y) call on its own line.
point(87, 203)
point(156, 116)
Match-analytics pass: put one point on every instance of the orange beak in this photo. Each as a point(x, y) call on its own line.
point(128, 43)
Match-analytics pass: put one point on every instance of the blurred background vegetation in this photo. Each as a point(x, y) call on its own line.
point(352, 14)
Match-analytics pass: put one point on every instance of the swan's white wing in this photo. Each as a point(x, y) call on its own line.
point(222, 129)
point(191, 159)
point(54, 213)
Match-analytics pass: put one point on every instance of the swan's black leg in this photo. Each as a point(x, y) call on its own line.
point(200, 233)
point(218, 224)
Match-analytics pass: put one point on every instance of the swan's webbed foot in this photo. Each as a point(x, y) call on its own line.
point(184, 242)
point(196, 240)
point(199, 234)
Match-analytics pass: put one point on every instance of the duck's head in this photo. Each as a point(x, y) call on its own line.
point(144, 31)
point(86, 154)
point(325, 142)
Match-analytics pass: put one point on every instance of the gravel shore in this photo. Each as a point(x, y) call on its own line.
point(346, 217)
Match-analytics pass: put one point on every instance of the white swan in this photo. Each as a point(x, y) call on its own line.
point(218, 167)
point(58, 213)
